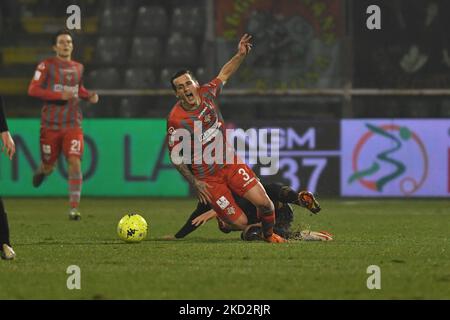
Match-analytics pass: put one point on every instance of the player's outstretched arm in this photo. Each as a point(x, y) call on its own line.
point(203, 218)
point(85, 94)
point(190, 226)
point(231, 66)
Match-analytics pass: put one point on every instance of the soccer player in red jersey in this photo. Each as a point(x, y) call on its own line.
point(215, 182)
point(58, 82)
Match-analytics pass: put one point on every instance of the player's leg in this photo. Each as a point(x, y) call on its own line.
point(75, 183)
point(73, 147)
point(50, 144)
point(242, 180)
point(266, 211)
point(225, 206)
point(6, 251)
point(284, 216)
point(285, 194)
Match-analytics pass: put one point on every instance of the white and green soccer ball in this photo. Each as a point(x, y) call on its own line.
point(132, 228)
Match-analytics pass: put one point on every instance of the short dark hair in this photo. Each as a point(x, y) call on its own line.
point(180, 73)
point(59, 33)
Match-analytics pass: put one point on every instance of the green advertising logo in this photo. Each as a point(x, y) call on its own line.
point(121, 158)
point(398, 136)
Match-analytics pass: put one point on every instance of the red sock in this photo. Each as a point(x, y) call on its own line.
point(75, 182)
point(268, 221)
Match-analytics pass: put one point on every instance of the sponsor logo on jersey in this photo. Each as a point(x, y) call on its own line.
point(37, 75)
point(61, 88)
point(171, 131)
point(211, 132)
point(231, 211)
point(47, 149)
point(223, 202)
point(207, 118)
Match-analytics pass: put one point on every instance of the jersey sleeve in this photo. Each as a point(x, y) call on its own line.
point(36, 88)
point(214, 87)
point(172, 126)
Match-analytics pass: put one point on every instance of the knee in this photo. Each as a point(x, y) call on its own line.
point(240, 223)
point(74, 163)
point(47, 168)
point(266, 206)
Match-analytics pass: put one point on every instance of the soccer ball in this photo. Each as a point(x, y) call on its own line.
point(132, 228)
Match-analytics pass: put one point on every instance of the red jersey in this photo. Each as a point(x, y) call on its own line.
point(51, 78)
point(208, 115)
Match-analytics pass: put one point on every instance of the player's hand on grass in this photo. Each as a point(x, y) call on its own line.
point(203, 218)
point(244, 45)
point(67, 95)
point(9, 146)
point(169, 237)
point(202, 191)
point(93, 98)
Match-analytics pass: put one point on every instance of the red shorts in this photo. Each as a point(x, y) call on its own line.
point(237, 178)
point(70, 141)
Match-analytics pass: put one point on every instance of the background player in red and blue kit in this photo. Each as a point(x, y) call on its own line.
point(58, 81)
point(215, 181)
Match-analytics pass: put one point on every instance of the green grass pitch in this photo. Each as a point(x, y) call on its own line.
point(408, 239)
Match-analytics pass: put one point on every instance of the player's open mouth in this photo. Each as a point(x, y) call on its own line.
point(190, 96)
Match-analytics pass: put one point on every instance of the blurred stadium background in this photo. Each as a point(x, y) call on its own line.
point(316, 72)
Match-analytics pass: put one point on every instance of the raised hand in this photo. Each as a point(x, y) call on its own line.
point(244, 45)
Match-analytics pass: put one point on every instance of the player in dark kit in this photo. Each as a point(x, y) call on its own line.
point(281, 195)
point(58, 81)
point(197, 111)
point(6, 251)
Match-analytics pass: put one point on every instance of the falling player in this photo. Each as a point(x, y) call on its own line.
point(215, 182)
point(58, 82)
point(282, 197)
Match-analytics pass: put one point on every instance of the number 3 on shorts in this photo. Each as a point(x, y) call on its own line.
point(75, 146)
point(245, 174)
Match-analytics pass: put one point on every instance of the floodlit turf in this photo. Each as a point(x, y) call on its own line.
point(408, 239)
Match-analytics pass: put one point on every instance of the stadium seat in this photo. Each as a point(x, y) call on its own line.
point(130, 106)
point(151, 20)
point(116, 20)
point(137, 78)
point(181, 51)
point(107, 78)
point(1, 21)
point(110, 50)
point(188, 20)
point(201, 75)
point(146, 50)
point(166, 74)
